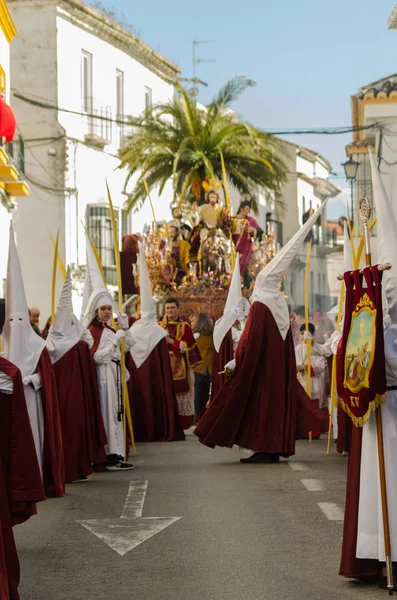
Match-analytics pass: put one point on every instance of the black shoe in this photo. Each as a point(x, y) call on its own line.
point(118, 466)
point(261, 457)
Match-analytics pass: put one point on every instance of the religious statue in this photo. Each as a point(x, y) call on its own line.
point(179, 253)
point(209, 241)
point(245, 230)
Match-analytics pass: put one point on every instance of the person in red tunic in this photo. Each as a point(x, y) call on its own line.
point(262, 407)
point(153, 402)
point(83, 432)
point(25, 349)
point(184, 355)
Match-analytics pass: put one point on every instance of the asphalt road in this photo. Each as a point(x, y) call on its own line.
point(247, 532)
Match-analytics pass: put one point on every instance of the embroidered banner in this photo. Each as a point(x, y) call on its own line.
point(361, 374)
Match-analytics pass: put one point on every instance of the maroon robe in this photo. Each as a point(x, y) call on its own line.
point(53, 461)
point(221, 358)
point(262, 407)
point(17, 450)
point(128, 258)
point(9, 563)
point(153, 403)
point(350, 566)
point(345, 428)
point(83, 432)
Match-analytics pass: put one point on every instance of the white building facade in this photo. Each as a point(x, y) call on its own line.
point(77, 77)
point(306, 188)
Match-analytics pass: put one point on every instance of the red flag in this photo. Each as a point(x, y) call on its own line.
point(361, 374)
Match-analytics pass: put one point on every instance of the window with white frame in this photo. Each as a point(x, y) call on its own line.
point(120, 104)
point(99, 228)
point(148, 97)
point(86, 82)
point(119, 94)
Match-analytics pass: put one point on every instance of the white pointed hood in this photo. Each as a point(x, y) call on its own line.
point(99, 294)
point(236, 307)
point(146, 333)
point(266, 283)
point(21, 345)
point(387, 239)
point(67, 330)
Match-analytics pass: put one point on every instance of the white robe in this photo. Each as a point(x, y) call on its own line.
point(370, 541)
point(34, 403)
point(317, 363)
point(108, 377)
point(236, 335)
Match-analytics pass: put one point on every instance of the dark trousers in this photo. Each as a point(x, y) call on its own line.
point(202, 385)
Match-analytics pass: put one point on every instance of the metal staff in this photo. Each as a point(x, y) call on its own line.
point(124, 389)
point(364, 209)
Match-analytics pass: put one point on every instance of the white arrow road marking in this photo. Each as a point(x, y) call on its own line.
point(131, 529)
point(133, 507)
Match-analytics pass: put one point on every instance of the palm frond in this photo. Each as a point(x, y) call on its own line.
point(179, 142)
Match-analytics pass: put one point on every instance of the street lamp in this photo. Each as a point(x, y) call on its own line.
point(350, 167)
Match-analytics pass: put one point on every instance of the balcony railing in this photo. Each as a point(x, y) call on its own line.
point(98, 124)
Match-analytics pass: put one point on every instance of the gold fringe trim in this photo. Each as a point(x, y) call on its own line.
point(373, 405)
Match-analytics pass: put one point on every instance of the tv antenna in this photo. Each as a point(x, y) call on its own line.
point(196, 61)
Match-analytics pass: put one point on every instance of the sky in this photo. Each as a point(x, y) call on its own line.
point(307, 58)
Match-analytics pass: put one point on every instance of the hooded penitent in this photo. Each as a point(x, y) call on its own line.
point(67, 330)
point(386, 223)
point(22, 346)
point(146, 332)
point(266, 290)
point(363, 549)
point(99, 293)
point(236, 308)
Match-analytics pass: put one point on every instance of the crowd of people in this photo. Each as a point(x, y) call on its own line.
point(70, 393)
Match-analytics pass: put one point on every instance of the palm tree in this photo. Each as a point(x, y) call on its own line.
point(182, 142)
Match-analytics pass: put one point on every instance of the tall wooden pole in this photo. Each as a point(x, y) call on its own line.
point(365, 213)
